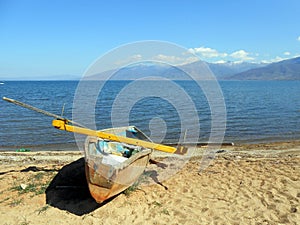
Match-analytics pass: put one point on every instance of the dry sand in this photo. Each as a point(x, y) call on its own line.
point(248, 184)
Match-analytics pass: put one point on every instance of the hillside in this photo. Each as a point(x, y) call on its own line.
point(283, 70)
point(228, 69)
point(220, 70)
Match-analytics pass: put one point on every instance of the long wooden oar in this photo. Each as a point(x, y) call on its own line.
point(63, 124)
point(24, 105)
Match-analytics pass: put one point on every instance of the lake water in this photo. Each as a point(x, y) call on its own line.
point(257, 111)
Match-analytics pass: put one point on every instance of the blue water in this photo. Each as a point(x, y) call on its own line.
point(257, 111)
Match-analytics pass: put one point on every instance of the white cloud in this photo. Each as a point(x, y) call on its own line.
point(168, 58)
point(276, 59)
point(287, 53)
point(175, 59)
point(298, 38)
point(130, 59)
point(137, 57)
point(241, 55)
point(207, 52)
point(191, 59)
point(220, 62)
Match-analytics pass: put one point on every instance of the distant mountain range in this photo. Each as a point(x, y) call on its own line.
point(226, 70)
point(283, 70)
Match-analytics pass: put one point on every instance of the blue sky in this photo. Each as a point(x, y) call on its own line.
point(41, 38)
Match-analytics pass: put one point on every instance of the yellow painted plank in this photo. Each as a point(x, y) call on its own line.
point(62, 125)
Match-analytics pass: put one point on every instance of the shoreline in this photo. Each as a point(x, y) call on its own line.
point(236, 151)
point(74, 147)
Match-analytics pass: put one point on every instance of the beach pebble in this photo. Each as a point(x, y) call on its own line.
point(293, 209)
point(23, 186)
point(221, 151)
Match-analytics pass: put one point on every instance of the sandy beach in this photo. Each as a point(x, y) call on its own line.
point(244, 184)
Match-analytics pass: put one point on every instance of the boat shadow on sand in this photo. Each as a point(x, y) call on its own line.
point(69, 190)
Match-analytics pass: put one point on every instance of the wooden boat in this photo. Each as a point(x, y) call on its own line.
point(112, 167)
point(114, 157)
